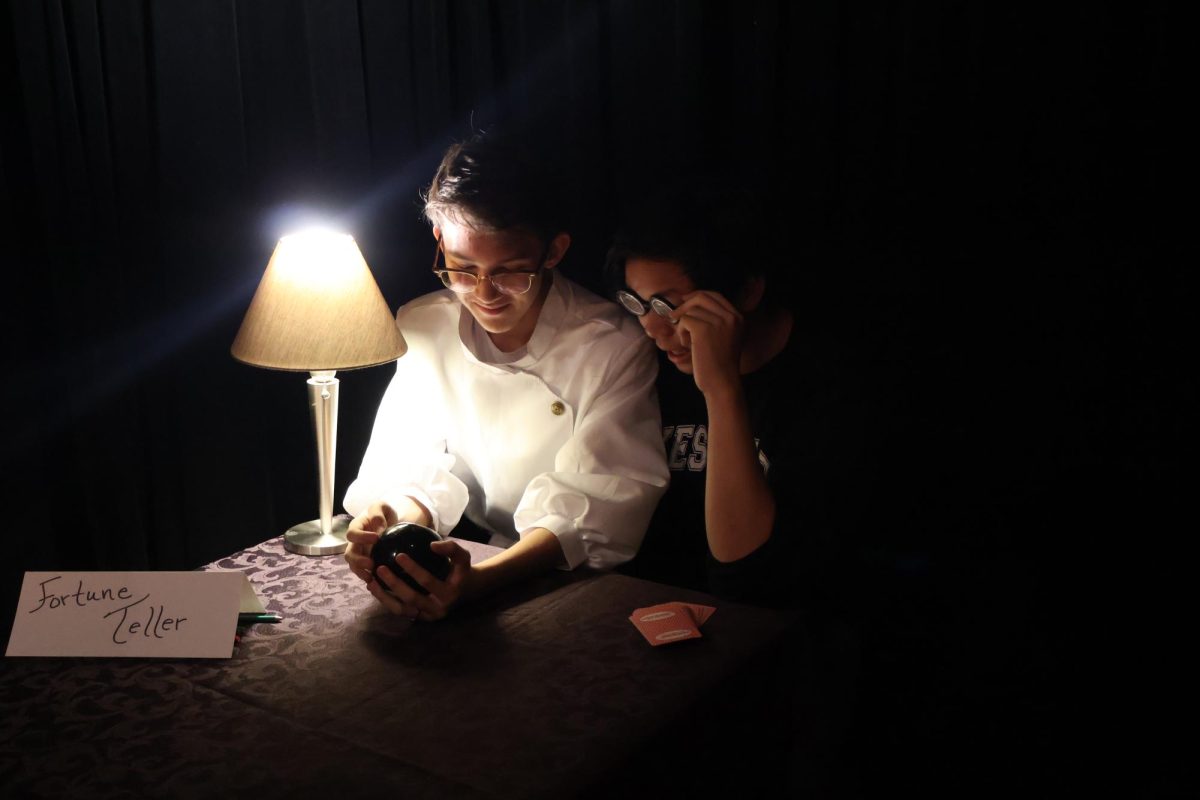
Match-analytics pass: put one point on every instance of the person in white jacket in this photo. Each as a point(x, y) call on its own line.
point(525, 402)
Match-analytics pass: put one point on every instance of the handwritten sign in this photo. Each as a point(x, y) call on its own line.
point(135, 614)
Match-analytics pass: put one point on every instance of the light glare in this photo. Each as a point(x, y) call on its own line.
point(316, 258)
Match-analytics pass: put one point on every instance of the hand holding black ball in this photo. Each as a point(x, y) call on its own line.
point(413, 540)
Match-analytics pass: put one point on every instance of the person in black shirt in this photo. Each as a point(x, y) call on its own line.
point(753, 420)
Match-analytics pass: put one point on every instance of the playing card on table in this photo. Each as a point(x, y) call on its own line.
point(670, 622)
point(700, 613)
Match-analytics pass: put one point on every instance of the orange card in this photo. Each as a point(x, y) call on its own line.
point(670, 622)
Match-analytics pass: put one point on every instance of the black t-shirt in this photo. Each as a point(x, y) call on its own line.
point(804, 421)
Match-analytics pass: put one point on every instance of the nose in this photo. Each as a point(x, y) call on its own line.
point(656, 327)
point(485, 290)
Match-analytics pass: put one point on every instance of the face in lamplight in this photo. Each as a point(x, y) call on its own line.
point(471, 262)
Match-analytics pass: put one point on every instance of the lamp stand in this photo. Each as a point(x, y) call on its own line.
point(324, 536)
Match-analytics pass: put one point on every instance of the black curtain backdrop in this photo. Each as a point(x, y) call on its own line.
point(974, 198)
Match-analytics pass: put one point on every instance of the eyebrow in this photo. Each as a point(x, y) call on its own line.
point(459, 257)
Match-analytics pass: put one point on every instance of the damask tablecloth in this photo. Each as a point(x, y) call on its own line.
point(539, 691)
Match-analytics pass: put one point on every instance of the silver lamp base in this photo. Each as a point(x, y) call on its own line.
point(307, 539)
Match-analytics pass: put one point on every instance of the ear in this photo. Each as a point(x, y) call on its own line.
point(751, 294)
point(558, 248)
point(437, 233)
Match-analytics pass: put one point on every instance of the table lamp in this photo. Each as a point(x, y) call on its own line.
point(318, 310)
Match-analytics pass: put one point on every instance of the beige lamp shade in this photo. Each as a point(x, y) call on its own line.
point(318, 307)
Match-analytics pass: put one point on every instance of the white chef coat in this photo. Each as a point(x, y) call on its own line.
point(566, 437)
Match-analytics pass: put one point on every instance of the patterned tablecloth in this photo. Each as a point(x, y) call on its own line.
point(539, 691)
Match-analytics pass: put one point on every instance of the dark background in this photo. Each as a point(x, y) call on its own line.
point(977, 199)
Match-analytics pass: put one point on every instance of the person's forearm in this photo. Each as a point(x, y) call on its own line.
point(537, 551)
point(739, 507)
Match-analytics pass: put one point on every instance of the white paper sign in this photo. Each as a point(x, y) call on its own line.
point(135, 614)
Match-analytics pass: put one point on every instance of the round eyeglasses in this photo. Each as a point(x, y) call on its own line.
point(638, 307)
point(460, 281)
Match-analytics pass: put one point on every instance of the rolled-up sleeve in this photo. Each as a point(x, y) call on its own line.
point(407, 456)
point(608, 477)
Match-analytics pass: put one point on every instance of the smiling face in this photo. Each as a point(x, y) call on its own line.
point(508, 319)
point(648, 277)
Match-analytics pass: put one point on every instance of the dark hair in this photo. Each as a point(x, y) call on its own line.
point(702, 224)
point(498, 181)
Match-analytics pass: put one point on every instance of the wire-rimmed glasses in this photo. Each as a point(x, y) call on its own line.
point(638, 307)
point(461, 281)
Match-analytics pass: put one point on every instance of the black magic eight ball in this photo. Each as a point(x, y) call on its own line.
point(413, 540)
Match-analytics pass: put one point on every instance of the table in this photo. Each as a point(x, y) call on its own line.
point(542, 690)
